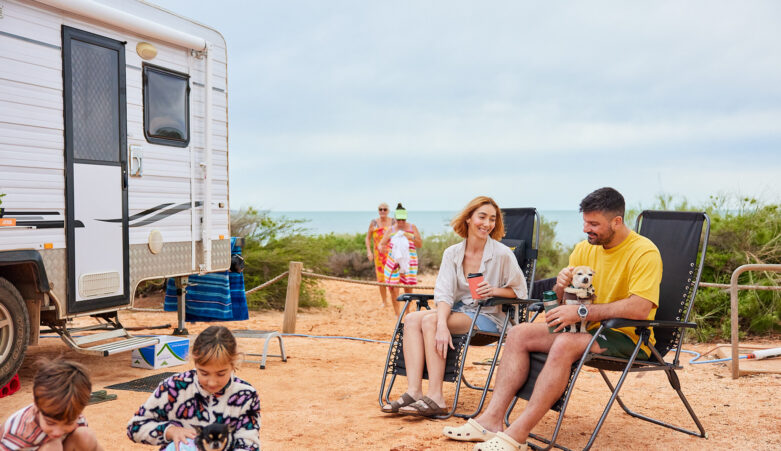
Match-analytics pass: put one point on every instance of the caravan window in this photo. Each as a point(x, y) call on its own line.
point(166, 107)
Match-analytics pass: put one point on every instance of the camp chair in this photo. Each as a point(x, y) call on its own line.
point(678, 235)
point(522, 236)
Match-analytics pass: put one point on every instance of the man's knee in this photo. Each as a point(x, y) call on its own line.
point(569, 346)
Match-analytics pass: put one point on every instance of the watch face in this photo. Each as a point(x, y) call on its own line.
point(582, 311)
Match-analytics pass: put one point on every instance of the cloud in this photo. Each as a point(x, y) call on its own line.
point(336, 104)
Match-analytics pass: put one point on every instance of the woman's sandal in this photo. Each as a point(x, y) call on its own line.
point(424, 407)
point(471, 431)
point(501, 442)
point(403, 401)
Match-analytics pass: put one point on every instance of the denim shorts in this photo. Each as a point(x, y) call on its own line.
point(483, 323)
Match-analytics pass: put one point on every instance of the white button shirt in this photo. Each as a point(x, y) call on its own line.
point(499, 267)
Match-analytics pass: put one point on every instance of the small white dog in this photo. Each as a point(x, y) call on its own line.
point(581, 291)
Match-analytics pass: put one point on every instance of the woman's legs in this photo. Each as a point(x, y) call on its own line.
point(394, 293)
point(384, 295)
point(413, 351)
point(457, 323)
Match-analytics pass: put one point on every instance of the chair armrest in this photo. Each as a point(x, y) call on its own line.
point(615, 323)
point(490, 302)
point(536, 307)
point(412, 296)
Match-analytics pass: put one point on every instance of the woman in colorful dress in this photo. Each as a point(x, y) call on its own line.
point(377, 229)
point(401, 265)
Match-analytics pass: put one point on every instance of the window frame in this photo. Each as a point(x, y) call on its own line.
point(154, 139)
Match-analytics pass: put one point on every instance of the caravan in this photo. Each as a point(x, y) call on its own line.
point(113, 164)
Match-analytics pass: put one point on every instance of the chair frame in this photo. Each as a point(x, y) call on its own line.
point(603, 363)
point(461, 342)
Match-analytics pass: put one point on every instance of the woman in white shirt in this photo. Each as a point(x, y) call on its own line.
point(427, 334)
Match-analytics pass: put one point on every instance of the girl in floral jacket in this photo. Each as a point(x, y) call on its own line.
point(208, 394)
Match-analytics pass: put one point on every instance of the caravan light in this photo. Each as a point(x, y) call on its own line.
point(146, 50)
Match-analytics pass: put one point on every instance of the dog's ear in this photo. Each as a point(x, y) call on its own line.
point(198, 429)
point(231, 428)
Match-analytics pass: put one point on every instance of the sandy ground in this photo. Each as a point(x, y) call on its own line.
point(326, 395)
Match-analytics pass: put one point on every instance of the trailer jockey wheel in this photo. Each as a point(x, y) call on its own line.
point(14, 330)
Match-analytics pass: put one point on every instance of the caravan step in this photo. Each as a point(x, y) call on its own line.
point(127, 342)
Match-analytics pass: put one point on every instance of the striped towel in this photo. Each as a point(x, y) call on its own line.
point(216, 296)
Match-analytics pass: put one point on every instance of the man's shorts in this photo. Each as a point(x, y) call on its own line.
point(617, 344)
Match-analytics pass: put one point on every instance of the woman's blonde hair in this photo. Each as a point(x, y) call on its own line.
point(215, 344)
point(459, 221)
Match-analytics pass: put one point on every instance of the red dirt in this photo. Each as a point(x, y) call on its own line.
point(325, 396)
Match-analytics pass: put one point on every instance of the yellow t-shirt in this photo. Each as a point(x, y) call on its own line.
point(632, 267)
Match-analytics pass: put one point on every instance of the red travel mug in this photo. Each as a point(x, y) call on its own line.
point(474, 279)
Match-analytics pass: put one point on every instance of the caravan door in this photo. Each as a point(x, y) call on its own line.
point(95, 171)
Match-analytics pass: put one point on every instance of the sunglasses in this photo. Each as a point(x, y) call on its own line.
point(382, 209)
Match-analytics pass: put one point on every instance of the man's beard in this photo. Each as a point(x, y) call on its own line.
point(596, 240)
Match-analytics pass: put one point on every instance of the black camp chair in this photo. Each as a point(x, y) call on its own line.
point(522, 236)
point(679, 236)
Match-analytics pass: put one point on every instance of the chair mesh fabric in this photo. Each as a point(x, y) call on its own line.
point(452, 362)
point(677, 235)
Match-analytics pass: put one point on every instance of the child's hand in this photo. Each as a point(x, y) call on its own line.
point(179, 435)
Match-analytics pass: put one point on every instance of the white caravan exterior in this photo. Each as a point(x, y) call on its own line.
point(113, 160)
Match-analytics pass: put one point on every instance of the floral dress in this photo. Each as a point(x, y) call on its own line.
point(377, 233)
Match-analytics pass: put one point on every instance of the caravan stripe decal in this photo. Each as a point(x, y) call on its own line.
point(157, 217)
point(164, 214)
point(140, 215)
point(22, 38)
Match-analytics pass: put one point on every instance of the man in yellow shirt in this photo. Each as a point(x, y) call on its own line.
point(627, 272)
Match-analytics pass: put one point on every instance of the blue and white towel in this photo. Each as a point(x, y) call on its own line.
point(216, 296)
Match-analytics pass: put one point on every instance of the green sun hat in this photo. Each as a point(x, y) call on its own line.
point(401, 214)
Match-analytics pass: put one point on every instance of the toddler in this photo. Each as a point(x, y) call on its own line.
point(61, 390)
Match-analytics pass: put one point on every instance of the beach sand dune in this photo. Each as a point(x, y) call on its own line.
point(325, 396)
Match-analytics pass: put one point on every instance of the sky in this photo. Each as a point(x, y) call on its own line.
point(340, 105)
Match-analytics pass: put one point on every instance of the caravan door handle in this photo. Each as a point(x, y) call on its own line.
point(124, 176)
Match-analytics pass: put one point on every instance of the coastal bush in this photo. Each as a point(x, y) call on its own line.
point(552, 255)
point(743, 231)
point(270, 245)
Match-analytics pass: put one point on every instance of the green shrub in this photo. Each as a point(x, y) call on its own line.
point(552, 255)
point(270, 245)
point(743, 231)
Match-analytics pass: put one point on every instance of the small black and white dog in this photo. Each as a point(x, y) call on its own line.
point(214, 437)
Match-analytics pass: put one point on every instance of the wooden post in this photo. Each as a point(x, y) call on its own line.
point(291, 298)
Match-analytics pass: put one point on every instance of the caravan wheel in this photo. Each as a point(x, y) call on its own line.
point(14, 330)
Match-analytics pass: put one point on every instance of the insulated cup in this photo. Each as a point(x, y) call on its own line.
point(474, 279)
point(550, 301)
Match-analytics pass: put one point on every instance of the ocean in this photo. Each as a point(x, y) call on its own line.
point(569, 227)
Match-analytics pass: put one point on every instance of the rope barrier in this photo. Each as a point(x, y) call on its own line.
point(264, 285)
point(313, 275)
point(365, 282)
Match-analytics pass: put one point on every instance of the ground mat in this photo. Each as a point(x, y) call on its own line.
point(145, 384)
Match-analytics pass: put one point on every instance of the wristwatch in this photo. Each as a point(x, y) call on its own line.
point(582, 311)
